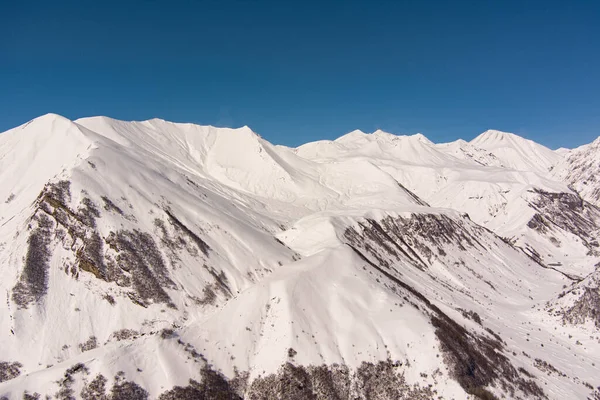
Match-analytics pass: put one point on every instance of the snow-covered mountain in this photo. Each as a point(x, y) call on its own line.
point(580, 168)
point(161, 260)
point(517, 152)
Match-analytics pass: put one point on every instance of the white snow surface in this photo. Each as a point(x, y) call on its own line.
point(580, 168)
point(282, 265)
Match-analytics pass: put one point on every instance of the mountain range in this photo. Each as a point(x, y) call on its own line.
point(160, 260)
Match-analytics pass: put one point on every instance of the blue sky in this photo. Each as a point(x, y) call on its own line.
point(303, 71)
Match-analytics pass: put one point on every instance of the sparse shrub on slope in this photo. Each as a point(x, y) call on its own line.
point(121, 389)
point(33, 282)
point(569, 213)
point(370, 381)
point(9, 370)
point(139, 257)
point(96, 389)
point(476, 361)
point(213, 386)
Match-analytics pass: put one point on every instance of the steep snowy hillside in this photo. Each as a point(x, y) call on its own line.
point(581, 170)
point(161, 260)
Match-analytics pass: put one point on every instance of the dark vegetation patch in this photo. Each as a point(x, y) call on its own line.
point(567, 212)
point(416, 198)
point(56, 218)
point(208, 296)
point(472, 315)
point(168, 333)
point(126, 390)
point(123, 334)
point(89, 344)
point(10, 198)
point(382, 380)
point(191, 351)
point(141, 264)
point(548, 368)
point(209, 292)
point(65, 385)
point(122, 389)
point(595, 395)
point(417, 239)
point(370, 381)
point(9, 370)
point(213, 385)
point(111, 300)
point(183, 230)
point(138, 262)
point(59, 192)
point(110, 206)
point(33, 282)
point(88, 212)
point(586, 304)
point(525, 372)
point(221, 281)
point(96, 389)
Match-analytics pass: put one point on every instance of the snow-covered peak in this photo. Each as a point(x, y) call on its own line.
point(563, 151)
point(517, 152)
point(352, 136)
point(422, 138)
point(493, 136)
point(42, 149)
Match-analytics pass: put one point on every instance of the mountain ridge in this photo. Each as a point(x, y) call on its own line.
point(161, 259)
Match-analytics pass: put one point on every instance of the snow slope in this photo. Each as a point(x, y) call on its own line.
point(153, 259)
point(516, 152)
point(581, 170)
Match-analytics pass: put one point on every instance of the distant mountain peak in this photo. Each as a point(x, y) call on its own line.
point(496, 136)
point(517, 152)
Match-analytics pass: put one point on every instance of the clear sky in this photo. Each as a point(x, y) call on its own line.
point(303, 71)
